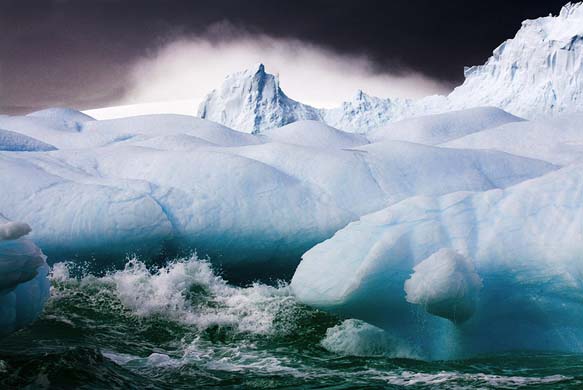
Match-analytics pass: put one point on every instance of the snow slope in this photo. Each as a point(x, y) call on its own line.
point(461, 274)
point(314, 133)
point(12, 141)
point(106, 132)
point(177, 107)
point(62, 118)
point(557, 140)
point(440, 128)
point(24, 287)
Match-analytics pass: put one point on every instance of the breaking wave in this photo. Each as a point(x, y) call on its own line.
point(183, 326)
point(189, 292)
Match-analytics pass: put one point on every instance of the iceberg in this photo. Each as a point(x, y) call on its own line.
point(252, 101)
point(159, 184)
point(461, 274)
point(446, 284)
point(534, 75)
point(24, 286)
point(365, 112)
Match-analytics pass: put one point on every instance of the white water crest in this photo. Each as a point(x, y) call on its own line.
point(189, 292)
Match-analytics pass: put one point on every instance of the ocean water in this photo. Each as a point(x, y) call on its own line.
point(183, 326)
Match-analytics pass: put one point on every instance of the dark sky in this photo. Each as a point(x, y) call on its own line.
point(78, 53)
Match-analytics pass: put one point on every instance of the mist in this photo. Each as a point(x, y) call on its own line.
point(190, 68)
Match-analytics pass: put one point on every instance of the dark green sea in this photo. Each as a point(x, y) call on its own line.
point(182, 326)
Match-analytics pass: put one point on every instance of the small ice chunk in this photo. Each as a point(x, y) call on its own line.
point(13, 230)
point(24, 286)
point(357, 338)
point(446, 284)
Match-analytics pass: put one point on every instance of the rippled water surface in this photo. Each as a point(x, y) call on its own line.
point(182, 326)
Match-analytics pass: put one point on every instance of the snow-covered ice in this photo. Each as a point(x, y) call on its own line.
point(314, 133)
point(152, 183)
point(557, 140)
point(12, 141)
point(536, 74)
point(253, 101)
point(440, 128)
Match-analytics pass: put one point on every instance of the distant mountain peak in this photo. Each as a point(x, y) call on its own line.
point(362, 97)
point(257, 70)
point(260, 68)
point(360, 94)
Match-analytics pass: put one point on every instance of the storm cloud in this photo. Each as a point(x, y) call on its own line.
point(87, 53)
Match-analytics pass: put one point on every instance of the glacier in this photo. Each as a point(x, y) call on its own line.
point(464, 273)
point(24, 286)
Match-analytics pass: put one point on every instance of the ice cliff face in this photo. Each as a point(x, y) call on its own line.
point(537, 73)
point(24, 287)
point(464, 273)
point(252, 101)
